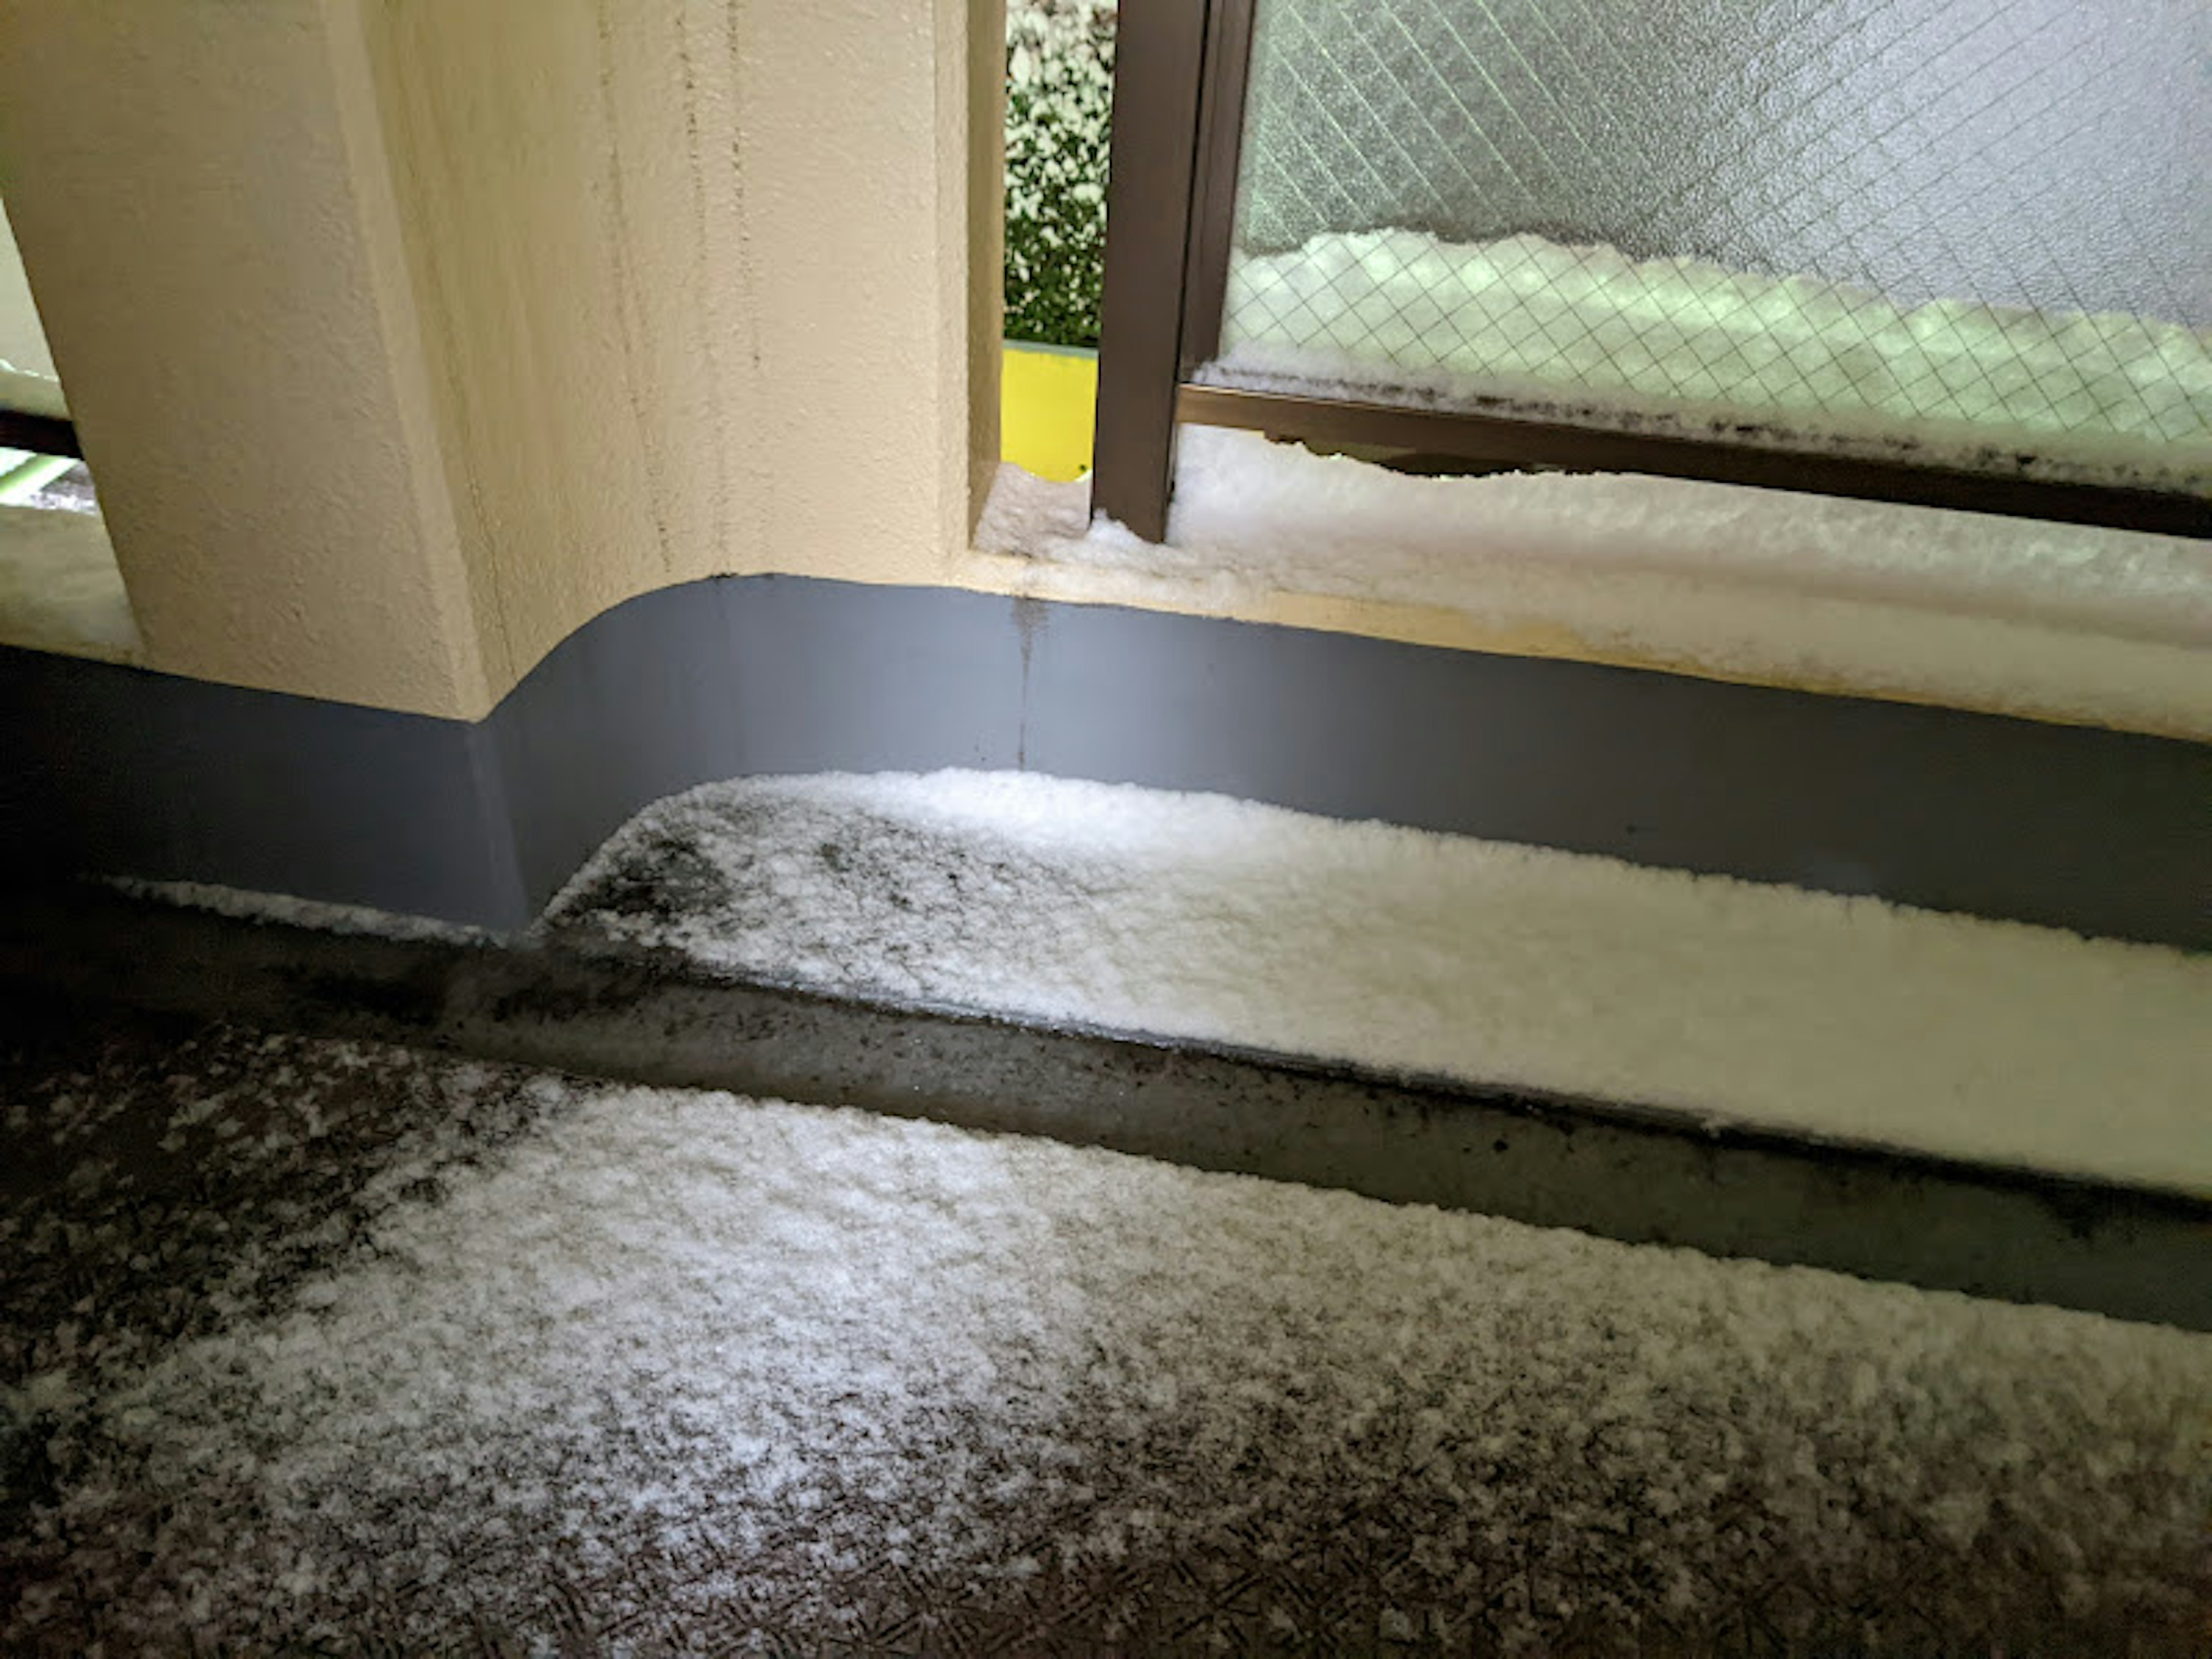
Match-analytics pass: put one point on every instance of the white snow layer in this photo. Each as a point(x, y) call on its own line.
point(286, 910)
point(1398, 313)
point(767, 1351)
point(2066, 621)
point(1200, 917)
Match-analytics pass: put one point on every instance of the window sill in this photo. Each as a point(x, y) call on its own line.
point(2057, 622)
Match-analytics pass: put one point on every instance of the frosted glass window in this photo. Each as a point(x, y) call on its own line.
point(1982, 228)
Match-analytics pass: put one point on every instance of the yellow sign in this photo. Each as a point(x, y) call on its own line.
point(1045, 397)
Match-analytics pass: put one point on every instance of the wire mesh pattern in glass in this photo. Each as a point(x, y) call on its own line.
point(1978, 230)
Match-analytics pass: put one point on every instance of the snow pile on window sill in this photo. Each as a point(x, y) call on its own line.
point(1204, 918)
point(1969, 609)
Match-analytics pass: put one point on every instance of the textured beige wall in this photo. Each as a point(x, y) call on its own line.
point(693, 274)
point(406, 335)
point(183, 185)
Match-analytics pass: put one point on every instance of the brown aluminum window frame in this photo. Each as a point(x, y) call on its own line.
point(1180, 75)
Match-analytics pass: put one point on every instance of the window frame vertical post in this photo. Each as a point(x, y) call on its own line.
point(1158, 76)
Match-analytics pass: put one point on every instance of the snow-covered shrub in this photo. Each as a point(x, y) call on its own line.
point(1059, 88)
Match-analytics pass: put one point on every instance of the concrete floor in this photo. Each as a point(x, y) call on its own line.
point(212, 1126)
point(185, 1201)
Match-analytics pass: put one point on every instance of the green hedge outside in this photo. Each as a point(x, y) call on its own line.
point(1060, 89)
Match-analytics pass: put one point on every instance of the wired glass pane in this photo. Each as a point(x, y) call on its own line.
point(1978, 231)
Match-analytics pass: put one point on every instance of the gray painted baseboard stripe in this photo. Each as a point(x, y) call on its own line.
point(125, 772)
point(117, 771)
